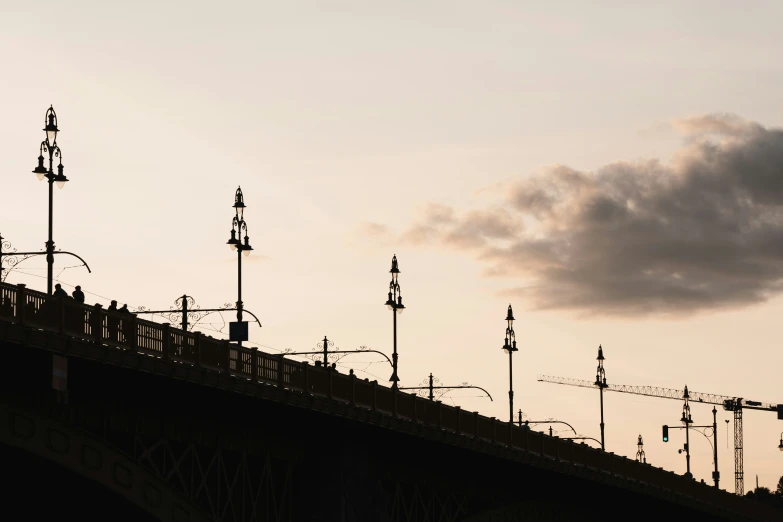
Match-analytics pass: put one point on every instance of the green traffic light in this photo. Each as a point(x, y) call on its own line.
point(666, 433)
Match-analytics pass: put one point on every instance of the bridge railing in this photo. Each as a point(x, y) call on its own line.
point(65, 316)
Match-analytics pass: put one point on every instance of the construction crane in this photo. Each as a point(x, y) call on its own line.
point(733, 404)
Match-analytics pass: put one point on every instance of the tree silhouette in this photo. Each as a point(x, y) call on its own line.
point(765, 496)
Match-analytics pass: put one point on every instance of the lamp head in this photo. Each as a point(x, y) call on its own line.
point(510, 314)
point(60, 178)
point(400, 307)
point(239, 202)
point(685, 394)
point(780, 446)
point(395, 269)
point(390, 302)
point(51, 126)
point(600, 353)
point(40, 170)
point(246, 248)
point(233, 242)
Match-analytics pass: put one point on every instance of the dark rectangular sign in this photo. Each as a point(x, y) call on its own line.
point(237, 331)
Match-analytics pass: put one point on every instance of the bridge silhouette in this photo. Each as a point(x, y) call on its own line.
point(179, 426)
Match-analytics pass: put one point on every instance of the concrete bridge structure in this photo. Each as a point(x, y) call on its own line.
point(107, 415)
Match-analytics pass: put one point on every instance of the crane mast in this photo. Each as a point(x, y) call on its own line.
point(733, 404)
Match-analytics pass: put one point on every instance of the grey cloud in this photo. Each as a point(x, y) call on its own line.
point(646, 238)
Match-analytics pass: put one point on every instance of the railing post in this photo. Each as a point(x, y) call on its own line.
point(254, 363)
point(133, 332)
point(227, 354)
point(374, 396)
point(459, 420)
point(97, 322)
point(494, 429)
point(353, 388)
point(328, 382)
point(21, 303)
point(281, 371)
point(197, 348)
point(475, 423)
point(394, 402)
point(305, 372)
point(415, 401)
point(166, 341)
point(440, 415)
point(61, 316)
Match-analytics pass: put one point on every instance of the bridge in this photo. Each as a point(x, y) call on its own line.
point(105, 414)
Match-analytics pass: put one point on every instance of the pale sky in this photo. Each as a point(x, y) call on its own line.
point(343, 118)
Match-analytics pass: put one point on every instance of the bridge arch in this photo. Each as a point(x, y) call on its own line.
point(96, 461)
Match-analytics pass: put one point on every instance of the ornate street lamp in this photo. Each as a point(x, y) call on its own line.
point(687, 420)
point(640, 456)
point(49, 146)
point(510, 346)
point(238, 329)
point(600, 381)
point(394, 303)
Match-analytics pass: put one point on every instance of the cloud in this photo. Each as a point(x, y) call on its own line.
point(637, 238)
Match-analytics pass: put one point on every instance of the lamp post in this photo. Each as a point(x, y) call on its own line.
point(687, 420)
point(431, 387)
point(238, 329)
point(600, 381)
point(188, 314)
point(49, 146)
point(510, 346)
point(527, 423)
point(640, 456)
point(394, 303)
point(715, 472)
point(582, 438)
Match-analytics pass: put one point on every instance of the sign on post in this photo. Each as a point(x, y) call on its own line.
point(237, 331)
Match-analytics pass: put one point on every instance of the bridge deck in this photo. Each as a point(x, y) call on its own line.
point(81, 329)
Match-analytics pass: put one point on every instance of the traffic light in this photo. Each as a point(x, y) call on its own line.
point(666, 433)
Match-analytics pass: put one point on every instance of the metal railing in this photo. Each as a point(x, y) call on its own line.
point(67, 317)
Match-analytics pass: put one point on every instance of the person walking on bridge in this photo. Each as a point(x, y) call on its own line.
point(59, 292)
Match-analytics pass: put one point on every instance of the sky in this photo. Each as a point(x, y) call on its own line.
point(611, 169)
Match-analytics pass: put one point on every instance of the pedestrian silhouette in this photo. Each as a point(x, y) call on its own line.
point(59, 292)
point(125, 327)
point(112, 321)
point(78, 295)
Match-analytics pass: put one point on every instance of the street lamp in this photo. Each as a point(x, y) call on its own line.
point(640, 456)
point(394, 303)
point(780, 446)
point(49, 146)
point(600, 381)
point(510, 346)
point(238, 329)
point(687, 420)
